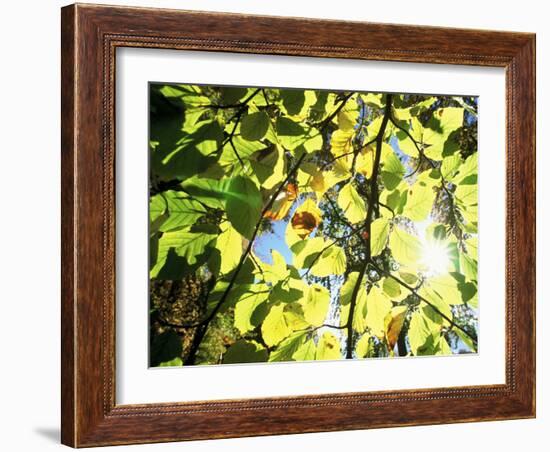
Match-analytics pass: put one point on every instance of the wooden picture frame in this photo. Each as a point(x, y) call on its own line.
point(90, 36)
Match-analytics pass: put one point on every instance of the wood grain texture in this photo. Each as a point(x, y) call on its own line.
point(90, 36)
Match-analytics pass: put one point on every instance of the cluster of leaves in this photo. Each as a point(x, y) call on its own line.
point(363, 186)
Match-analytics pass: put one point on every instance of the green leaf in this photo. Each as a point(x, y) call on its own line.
point(289, 347)
point(364, 347)
point(468, 291)
point(269, 167)
point(439, 303)
point(158, 212)
point(275, 272)
point(405, 248)
point(231, 95)
point(450, 165)
point(176, 362)
point(328, 347)
point(183, 210)
point(306, 252)
point(352, 204)
point(246, 306)
point(315, 304)
point(189, 246)
point(392, 168)
point(240, 146)
point(341, 142)
point(346, 294)
point(346, 291)
point(414, 110)
point(466, 170)
point(468, 265)
point(466, 339)
point(409, 278)
point(244, 351)
point(254, 126)
point(206, 138)
point(373, 100)
point(391, 287)
point(467, 194)
point(306, 352)
point(210, 192)
point(275, 327)
point(348, 115)
point(291, 135)
point(243, 205)
point(230, 245)
point(177, 154)
point(420, 200)
point(379, 232)
point(447, 288)
point(406, 144)
point(443, 122)
point(165, 347)
point(293, 100)
point(294, 315)
point(332, 261)
point(421, 334)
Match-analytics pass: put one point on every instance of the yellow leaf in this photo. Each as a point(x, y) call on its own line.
point(347, 116)
point(294, 317)
point(328, 347)
point(315, 304)
point(230, 245)
point(394, 322)
point(275, 327)
point(283, 203)
point(405, 248)
point(341, 142)
point(352, 204)
point(378, 306)
point(310, 178)
point(364, 163)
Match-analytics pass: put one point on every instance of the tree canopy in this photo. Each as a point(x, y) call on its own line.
point(311, 225)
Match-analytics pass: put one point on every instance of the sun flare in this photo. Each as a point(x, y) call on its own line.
point(435, 256)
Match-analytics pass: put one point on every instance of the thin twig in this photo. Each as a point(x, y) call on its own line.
point(429, 303)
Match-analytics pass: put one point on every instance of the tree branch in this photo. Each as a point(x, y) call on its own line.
point(372, 201)
point(202, 329)
point(429, 303)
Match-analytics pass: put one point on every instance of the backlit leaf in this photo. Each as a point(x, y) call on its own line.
point(275, 327)
point(406, 248)
point(420, 200)
point(315, 304)
point(393, 324)
point(379, 232)
point(328, 347)
point(352, 204)
point(306, 218)
point(230, 245)
point(378, 308)
point(187, 245)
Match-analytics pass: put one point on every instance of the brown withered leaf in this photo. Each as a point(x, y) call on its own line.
point(306, 218)
point(283, 203)
point(394, 323)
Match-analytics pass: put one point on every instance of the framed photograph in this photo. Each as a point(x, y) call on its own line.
point(282, 225)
